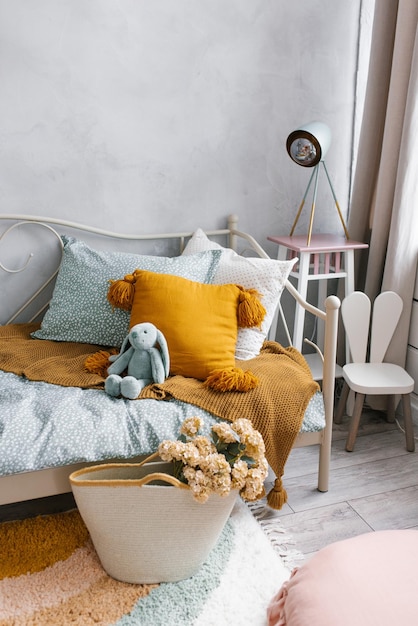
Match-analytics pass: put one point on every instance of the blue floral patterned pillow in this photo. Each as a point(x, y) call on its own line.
point(79, 310)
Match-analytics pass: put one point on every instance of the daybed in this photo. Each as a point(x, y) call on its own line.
point(54, 278)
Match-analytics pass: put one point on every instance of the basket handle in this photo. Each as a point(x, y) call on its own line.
point(149, 458)
point(172, 480)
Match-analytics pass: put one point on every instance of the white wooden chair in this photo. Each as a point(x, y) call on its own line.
point(369, 375)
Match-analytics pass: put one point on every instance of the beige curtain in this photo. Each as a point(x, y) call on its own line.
point(384, 206)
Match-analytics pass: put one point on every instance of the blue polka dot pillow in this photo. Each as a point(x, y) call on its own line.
point(79, 310)
point(267, 276)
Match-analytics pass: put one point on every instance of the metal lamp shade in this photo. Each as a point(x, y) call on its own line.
point(308, 145)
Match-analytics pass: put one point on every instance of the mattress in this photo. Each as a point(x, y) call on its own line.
point(44, 426)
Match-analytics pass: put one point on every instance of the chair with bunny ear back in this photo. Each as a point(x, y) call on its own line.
point(367, 373)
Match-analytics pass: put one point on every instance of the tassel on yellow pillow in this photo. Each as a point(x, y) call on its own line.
point(199, 321)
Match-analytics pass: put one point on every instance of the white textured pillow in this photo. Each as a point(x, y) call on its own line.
point(268, 276)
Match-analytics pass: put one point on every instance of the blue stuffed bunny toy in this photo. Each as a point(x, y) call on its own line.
point(144, 354)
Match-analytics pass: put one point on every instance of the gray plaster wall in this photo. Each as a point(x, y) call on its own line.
point(153, 115)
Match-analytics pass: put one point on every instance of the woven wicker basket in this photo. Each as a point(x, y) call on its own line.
point(147, 533)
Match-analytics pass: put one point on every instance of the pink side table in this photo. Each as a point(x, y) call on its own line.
point(327, 256)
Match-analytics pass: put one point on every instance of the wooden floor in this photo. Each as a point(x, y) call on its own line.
point(375, 487)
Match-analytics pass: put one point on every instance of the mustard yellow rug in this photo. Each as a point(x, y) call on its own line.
point(50, 575)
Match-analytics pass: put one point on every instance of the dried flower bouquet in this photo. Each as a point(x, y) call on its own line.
point(232, 458)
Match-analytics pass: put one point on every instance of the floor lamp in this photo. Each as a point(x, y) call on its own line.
point(307, 146)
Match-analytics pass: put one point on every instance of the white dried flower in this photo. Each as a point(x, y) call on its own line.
point(215, 464)
point(224, 432)
point(204, 445)
point(239, 474)
point(191, 426)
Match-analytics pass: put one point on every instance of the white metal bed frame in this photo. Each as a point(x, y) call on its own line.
point(54, 481)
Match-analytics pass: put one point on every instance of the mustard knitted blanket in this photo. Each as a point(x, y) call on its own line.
point(56, 362)
point(275, 407)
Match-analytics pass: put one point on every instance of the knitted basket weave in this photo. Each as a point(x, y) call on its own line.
point(147, 533)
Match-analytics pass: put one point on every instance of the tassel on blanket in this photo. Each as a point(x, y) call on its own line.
point(231, 379)
point(277, 497)
point(98, 362)
point(121, 292)
point(251, 312)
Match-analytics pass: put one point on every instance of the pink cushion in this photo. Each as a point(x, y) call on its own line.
point(369, 580)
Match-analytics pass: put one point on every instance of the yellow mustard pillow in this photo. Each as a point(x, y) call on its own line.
point(199, 321)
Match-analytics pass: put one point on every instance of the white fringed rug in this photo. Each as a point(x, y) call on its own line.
point(234, 586)
point(252, 575)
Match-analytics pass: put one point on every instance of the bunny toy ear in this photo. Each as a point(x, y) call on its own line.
point(164, 351)
point(122, 348)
